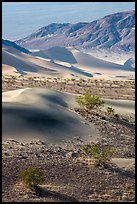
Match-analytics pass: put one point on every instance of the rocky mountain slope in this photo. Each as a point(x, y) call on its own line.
point(116, 31)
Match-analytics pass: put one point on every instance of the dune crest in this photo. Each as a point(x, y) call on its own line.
point(50, 118)
point(62, 62)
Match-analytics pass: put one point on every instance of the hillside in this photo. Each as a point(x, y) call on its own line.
point(116, 31)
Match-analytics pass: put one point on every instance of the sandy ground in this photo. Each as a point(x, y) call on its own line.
point(124, 107)
point(124, 162)
point(107, 89)
point(33, 114)
point(49, 133)
point(111, 56)
point(65, 62)
point(23, 64)
point(42, 114)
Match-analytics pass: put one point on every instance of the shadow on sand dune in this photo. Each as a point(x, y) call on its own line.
point(57, 53)
point(21, 64)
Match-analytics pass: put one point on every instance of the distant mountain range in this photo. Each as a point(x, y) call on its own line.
point(115, 32)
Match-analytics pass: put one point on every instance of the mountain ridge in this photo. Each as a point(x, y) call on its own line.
point(115, 31)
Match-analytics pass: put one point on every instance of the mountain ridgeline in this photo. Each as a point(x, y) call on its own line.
point(115, 32)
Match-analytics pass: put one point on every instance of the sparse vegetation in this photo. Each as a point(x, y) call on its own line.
point(31, 176)
point(89, 101)
point(101, 153)
point(117, 116)
point(98, 87)
point(110, 110)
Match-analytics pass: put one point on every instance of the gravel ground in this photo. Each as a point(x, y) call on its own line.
point(104, 88)
point(68, 177)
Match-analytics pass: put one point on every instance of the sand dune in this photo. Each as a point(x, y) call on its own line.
point(63, 62)
point(44, 114)
point(124, 107)
point(106, 70)
point(36, 113)
point(19, 63)
point(16, 63)
point(79, 59)
point(57, 53)
point(71, 57)
point(130, 63)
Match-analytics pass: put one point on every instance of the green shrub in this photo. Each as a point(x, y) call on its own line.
point(101, 154)
point(73, 79)
point(89, 101)
point(31, 176)
point(117, 116)
point(110, 110)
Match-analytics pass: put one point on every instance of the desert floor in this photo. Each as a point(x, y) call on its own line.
point(67, 175)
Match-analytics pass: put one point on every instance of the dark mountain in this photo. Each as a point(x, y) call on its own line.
point(14, 45)
point(115, 32)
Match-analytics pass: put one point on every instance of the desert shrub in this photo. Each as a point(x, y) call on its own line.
point(89, 101)
point(31, 176)
point(73, 79)
point(110, 110)
point(77, 91)
point(13, 77)
point(81, 80)
point(101, 153)
point(117, 116)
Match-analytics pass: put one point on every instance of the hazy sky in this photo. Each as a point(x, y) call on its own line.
point(19, 19)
